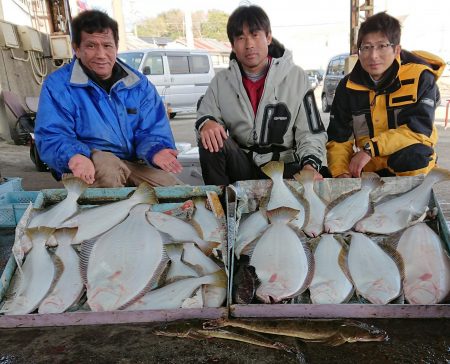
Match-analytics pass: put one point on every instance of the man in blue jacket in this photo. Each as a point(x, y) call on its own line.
point(102, 120)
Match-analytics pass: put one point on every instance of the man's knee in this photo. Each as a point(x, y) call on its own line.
point(110, 171)
point(412, 158)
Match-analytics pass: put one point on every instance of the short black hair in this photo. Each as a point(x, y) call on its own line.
point(252, 15)
point(381, 22)
point(93, 21)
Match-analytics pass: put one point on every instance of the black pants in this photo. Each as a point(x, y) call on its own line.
point(231, 164)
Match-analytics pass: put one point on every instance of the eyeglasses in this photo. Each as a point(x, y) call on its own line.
point(380, 48)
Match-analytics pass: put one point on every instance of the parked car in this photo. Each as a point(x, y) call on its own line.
point(317, 73)
point(313, 82)
point(334, 73)
point(180, 76)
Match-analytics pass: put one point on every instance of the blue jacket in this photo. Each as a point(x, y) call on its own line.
point(75, 116)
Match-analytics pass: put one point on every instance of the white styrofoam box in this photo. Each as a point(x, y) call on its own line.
point(192, 171)
point(183, 147)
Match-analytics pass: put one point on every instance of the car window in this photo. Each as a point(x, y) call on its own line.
point(132, 59)
point(199, 64)
point(178, 64)
point(155, 62)
point(335, 67)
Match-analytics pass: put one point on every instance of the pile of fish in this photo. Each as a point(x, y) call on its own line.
point(124, 255)
point(297, 246)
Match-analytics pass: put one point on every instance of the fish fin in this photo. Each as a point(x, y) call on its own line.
point(145, 194)
point(343, 259)
point(313, 243)
point(153, 281)
point(74, 184)
point(304, 298)
point(395, 256)
point(281, 213)
point(59, 269)
point(335, 340)
point(197, 228)
point(213, 324)
point(310, 274)
point(219, 279)
point(86, 250)
point(65, 234)
point(400, 300)
point(183, 212)
point(215, 204)
point(273, 168)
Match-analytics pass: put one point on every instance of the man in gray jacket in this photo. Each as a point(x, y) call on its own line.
point(259, 109)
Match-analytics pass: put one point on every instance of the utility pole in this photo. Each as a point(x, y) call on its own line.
point(356, 14)
point(118, 16)
point(188, 28)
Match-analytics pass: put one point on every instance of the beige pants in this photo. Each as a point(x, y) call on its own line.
point(111, 171)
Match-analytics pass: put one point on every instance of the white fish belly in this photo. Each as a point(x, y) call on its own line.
point(427, 266)
point(348, 212)
point(122, 263)
point(69, 287)
point(374, 273)
point(280, 263)
point(329, 283)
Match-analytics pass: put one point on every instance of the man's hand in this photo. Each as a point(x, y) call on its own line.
point(358, 162)
point(317, 175)
point(212, 135)
point(166, 159)
point(83, 168)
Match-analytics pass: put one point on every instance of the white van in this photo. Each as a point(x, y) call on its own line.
point(180, 76)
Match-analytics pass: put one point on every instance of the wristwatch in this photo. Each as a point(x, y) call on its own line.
point(367, 149)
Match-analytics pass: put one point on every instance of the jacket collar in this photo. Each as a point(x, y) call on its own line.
point(80, 78)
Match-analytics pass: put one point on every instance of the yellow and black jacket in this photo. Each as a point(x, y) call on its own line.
point(392, 117)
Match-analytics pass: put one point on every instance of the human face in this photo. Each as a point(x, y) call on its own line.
point(251, 49)
point(376, 61)
point(98, 52)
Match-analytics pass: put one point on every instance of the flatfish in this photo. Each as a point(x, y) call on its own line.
point(401, 212)
point(329, 283)
point(179, 230)
point(178, 269)
point(212, 228)
point(37, 277)
point(376, 275)
point(249, 229)
point(282, 262)
point(95, 221)
point(314, 221)
point(54, 216)
point(124, 263)
point(245, 282)
point(281, 195)
point(69, 287)
point(349, 209)
point(171, 296)
point(427, 265)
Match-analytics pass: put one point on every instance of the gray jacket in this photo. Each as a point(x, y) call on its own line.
point(286, 120)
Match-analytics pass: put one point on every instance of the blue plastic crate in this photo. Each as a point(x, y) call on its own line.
point(13, 206)
point(10, 185)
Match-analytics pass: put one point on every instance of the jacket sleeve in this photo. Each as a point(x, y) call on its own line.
point(209, 107)
point(415, 121)
point(153, 133)
point(55, 135)
point(340, 132)
point(310, 135)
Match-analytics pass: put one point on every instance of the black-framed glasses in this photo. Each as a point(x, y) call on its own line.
point(380, 48)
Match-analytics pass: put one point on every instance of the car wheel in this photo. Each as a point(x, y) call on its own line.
point(172, 115)
point(325, 106)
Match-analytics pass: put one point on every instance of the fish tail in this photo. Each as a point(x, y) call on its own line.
point(440, 174)
point(273, 169)
point(145, 194)
point(371, 180)
point(65, 235)
point(305, 176)
point(35, 232)
point(218, 279)
point(74, 184)
point(282, 213)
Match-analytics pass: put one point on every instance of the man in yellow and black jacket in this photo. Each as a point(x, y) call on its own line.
point(382, 117)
